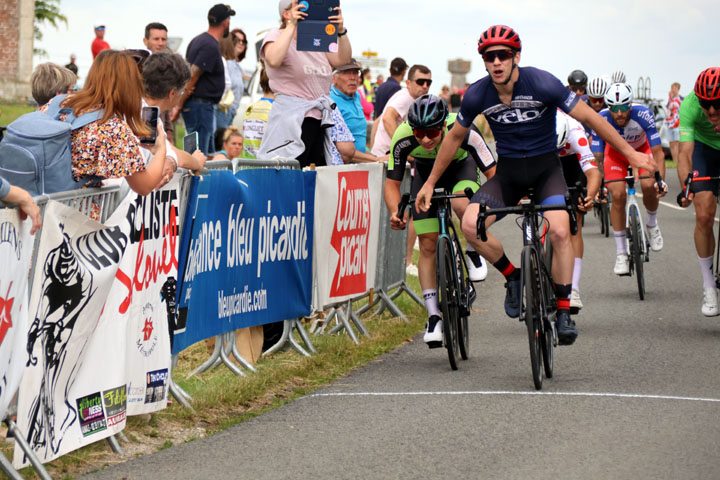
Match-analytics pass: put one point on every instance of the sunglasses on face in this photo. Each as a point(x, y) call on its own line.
point(427, 132)
point(423, 81)
point(597, 100)
point(241, 40)
point(501, 55)
point(706, 104)
point(619, 108)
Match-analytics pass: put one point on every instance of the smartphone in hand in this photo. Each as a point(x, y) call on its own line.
point(190, 142)
point(150, 117)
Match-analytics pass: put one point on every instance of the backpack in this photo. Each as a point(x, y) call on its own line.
point(35, 150)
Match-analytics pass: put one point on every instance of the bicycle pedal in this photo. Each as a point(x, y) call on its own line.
point(434, 344)
point(574, 310)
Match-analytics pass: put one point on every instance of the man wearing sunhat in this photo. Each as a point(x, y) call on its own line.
point(207, 78)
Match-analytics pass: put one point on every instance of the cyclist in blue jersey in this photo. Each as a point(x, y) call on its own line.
point(520, 106)
point(636, 124)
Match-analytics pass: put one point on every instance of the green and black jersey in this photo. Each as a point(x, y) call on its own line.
point(404, 144)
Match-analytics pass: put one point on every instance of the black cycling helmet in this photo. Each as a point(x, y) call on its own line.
point(577, 77)
point(427, 111)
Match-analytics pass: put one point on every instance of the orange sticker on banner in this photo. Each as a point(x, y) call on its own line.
point(330, 29)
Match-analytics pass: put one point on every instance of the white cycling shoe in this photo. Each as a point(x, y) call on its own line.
point(477, 266)
point(656, 239)
point(710, 302)
point(622, 264)
point(433, 332)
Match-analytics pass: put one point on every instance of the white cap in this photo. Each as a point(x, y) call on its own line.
point(99, 23)
point(284, 5)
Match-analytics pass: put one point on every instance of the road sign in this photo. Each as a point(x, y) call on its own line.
point(374, 62)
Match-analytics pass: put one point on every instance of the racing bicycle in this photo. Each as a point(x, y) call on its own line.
point(636, 237)
point(456, 292)
point(601, 209)
point(538, 301)
point(688, 182)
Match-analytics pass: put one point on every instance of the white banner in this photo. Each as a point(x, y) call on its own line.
point(143, 296)
point(347, 216)
point(76, 264)
point(16, 246)
point(101, 349)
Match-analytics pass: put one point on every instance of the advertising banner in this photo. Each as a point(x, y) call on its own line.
point(246, 252)
point(348, 200)
point(76, 265)
point(99, 340)
point(16, 245)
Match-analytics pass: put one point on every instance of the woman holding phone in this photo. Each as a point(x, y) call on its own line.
point(110, 147)
point(299, 79)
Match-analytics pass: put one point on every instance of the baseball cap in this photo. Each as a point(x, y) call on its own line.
point(219, 13)
point(284, 5)
point(353, 65)
point(99, 24)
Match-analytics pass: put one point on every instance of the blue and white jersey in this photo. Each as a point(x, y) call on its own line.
point(525, 128)
point(640, 127)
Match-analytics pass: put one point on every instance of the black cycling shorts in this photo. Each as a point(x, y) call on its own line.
point(515, 177)
point(705, 163)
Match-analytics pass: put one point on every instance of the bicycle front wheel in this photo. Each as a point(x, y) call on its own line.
point(448, 299)
point(532, 311)
point(636, 248)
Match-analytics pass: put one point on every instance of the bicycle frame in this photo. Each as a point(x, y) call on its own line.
point(632, 201)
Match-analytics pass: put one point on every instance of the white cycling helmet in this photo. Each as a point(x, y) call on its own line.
point(597, 87)
point(562, 129)
point(618, 77)
point(619, 94)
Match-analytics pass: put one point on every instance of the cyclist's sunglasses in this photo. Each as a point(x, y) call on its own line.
point(706, 104)
point(501, 55)
point(423, 81)
point(597, 99)
point(427, 132)
point(619, 108)
point(139, 56)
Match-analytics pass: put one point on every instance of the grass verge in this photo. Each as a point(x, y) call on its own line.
point(222, 399)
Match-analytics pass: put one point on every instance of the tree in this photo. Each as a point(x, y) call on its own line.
point(46, 11)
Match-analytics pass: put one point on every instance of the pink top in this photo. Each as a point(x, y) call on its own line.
point(305, 75)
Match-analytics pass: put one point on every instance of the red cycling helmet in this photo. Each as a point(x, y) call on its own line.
point(707, 85)
point(499, 35)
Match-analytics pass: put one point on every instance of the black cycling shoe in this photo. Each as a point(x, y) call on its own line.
point(565, 326)
point(512, 298)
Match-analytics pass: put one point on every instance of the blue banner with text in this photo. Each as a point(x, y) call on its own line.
point(245, 252)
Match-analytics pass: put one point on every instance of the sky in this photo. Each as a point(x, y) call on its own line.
point(665, 41)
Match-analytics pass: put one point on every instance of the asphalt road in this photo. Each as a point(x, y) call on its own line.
point(637, 396)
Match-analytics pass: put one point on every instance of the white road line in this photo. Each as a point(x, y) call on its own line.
point(518, 393)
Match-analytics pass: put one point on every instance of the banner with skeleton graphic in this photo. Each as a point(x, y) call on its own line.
point(76, 264)
point(16, 246)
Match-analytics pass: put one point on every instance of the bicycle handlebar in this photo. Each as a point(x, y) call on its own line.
point(526, 207)
point(689, 181)
point(407, 199)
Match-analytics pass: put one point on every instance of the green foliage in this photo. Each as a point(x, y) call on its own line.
point(46, 11)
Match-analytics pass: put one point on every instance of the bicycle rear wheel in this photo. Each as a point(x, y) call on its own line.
point(448, 299)
point(532, 311)
point(636, 249)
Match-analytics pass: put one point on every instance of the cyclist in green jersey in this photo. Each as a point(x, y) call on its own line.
point(418, 139)
point(700, 153)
